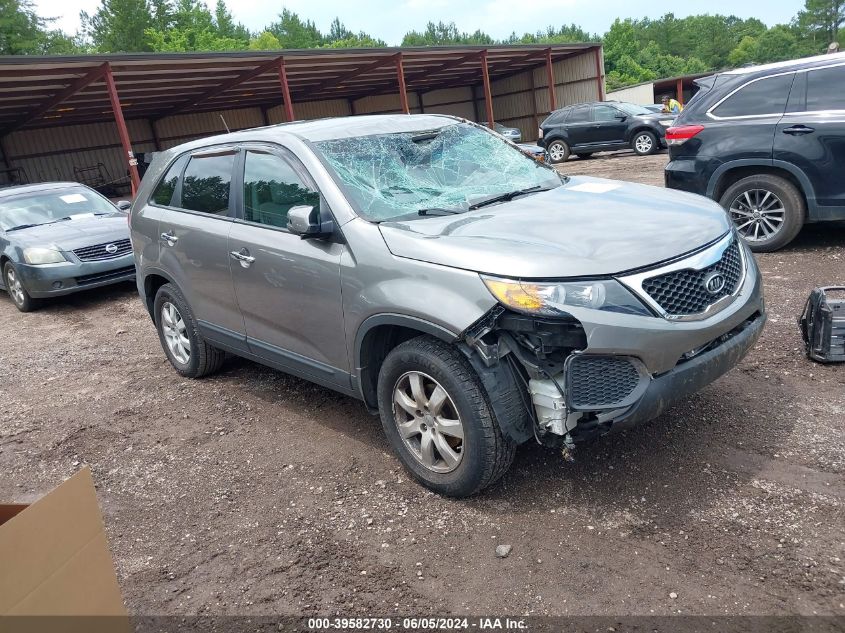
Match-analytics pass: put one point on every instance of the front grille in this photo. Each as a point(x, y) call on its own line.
point(85, 280)
point(601, 381)
point(99, 252)
point(683, 292)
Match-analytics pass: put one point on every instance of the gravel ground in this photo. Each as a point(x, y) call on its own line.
point(255, 492)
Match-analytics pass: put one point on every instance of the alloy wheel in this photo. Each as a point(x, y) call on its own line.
point(428, 422)
point(13, 284)
point(758, 214)
point(556, 152)
point(643, 143)
point(175, 333)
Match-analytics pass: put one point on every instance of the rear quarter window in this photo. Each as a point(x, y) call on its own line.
point(758, 98)
point(820, 92)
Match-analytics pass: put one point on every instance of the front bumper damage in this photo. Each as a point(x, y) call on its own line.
point(598, 372)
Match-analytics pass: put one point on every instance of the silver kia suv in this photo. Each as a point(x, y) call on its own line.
point(470, 295)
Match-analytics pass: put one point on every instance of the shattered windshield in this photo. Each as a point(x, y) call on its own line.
point(388, 176)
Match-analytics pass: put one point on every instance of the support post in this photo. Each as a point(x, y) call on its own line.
point(550, 78)
point(283, 77)
point(403, 92)
point(420, 101)
point(679, 88)
point(599, 73)
point(535, 115)
point(488, 95)
point(122, 130)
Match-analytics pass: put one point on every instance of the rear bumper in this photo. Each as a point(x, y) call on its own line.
point(686, 175)
point(54, 280)
point(692, 375)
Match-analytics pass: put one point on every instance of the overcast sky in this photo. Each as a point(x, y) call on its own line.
point(391, 19)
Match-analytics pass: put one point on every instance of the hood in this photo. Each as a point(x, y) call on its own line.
point(588, 226)
point(653, 117)
point(71, 234)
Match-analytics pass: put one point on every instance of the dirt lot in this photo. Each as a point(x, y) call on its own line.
point(254, 492)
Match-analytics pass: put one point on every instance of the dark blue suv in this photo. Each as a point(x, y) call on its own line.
point(768, 143)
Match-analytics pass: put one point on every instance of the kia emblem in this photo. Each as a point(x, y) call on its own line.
point(714, 283)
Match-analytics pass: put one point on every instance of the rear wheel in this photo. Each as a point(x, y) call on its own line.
point(558, 151)
point(184, 346)
point(767, 210)
point(14, 286)
point(644, 143)
point(435, 413)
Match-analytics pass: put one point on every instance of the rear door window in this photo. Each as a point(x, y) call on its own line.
point(581, 114)
point(821, 94)
point(206, 183)
point(163, 194)
point(759, 98)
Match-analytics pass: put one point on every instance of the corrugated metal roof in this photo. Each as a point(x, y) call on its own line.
point(156, 85)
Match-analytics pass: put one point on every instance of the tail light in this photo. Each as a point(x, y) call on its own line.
point(681, 134)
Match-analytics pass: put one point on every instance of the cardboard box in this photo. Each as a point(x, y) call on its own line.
point(54, 557)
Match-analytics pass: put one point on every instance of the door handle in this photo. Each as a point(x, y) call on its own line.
point(243, 257)
point(169, 238)
point(797, 130)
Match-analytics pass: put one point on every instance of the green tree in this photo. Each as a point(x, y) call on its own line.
point(264, 41)
point(822, 20)
point(744, 53)
point(442, 34)
point(118, 26)
point(226, 25)
point(293, 32)
point(20, 28)
point(194, 28)
point(776, 44)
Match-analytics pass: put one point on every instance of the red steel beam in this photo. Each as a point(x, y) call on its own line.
point(122, 131)
point(283, 78)
point(599, 73)
point(403, 92)
point(252, 73)
point(488, 95)
point(339, 81)
point(460, 61)
point(550, 78)
point(679, 88)
point(88, 78)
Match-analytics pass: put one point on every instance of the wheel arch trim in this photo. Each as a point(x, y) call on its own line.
point(803, 181)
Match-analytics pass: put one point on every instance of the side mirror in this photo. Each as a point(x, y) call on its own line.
point(304, 221)
point(123, 205)
point(621, 117)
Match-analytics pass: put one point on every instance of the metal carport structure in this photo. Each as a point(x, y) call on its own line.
point(47, 93)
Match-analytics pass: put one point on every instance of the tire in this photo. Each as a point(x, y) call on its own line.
point(584, 155)
point(17, 292)
point(779, 205)
point(201, 359)
point(558, 152)
point(484, 453)
point(644, 143)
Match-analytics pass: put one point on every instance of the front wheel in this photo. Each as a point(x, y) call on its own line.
point(436, 417)
point(767, 210)
point(14, 286)
point(558, 151)
point(644, 143)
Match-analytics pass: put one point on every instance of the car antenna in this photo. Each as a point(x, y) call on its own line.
point(228, 131)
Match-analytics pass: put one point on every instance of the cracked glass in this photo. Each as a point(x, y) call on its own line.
point(393, 176)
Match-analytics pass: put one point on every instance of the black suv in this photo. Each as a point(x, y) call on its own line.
point(602, 126)
point(768, 143)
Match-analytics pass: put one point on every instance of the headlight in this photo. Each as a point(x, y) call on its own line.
point(42, 256)
point(553, 299)
point(667, 122)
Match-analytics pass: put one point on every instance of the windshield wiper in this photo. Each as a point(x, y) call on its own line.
point(29, 226)
point(507, 197)
point(439, 211)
